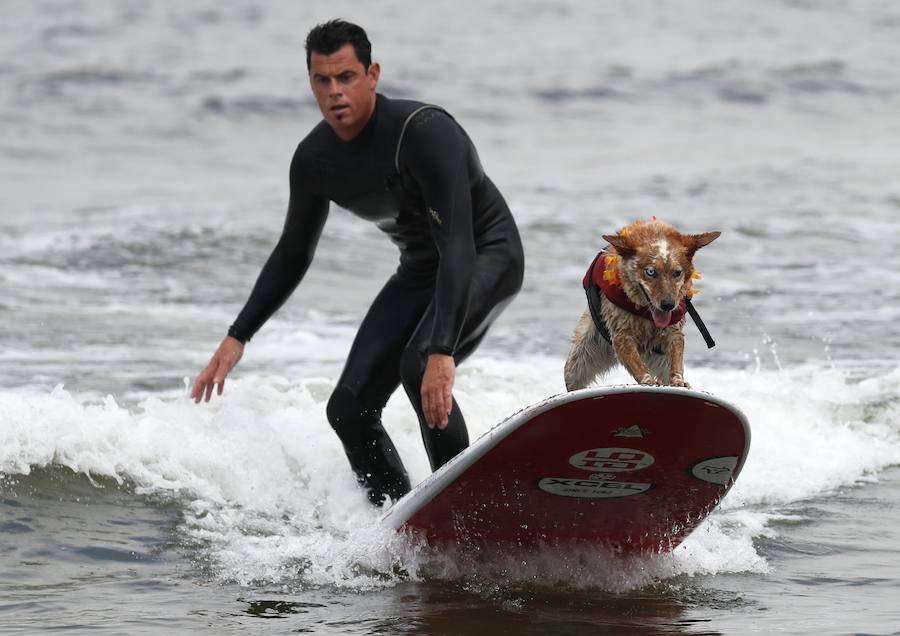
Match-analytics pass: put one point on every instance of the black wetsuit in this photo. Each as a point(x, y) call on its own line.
point(415, 173)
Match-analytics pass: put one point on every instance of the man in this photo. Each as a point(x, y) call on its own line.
point(411, 169)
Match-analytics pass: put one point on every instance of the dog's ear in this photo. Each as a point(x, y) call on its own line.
point(621, 243)
point(694, 242)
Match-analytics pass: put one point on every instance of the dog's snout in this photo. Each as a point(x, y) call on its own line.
point(667, 305)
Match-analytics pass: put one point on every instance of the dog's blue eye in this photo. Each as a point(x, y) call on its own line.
point(650, 271)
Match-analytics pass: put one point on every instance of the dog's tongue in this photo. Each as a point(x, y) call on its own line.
point(661, 318)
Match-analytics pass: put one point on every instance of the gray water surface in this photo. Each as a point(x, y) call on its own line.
point(144, 151)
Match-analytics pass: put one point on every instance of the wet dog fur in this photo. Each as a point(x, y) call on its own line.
point(654, 264)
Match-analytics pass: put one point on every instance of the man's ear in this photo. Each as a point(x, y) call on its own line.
point(374, 72)
point(621, 243)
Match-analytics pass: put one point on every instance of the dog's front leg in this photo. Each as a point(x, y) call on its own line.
point(627, 353)
point(676, 361)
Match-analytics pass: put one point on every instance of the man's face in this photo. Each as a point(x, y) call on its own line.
point(344, 90)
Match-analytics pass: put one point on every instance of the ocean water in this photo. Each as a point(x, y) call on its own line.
point(144, 149)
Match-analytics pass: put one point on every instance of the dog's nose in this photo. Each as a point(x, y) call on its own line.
point(667, 305)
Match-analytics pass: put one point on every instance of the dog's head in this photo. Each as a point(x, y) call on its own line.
point(657, 264)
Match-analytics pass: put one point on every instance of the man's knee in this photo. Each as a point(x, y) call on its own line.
point(345, 412)
point(412, 368)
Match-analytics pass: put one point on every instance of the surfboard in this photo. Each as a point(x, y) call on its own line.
point(634, 468)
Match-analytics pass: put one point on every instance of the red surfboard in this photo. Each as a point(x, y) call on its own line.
point(634, 468)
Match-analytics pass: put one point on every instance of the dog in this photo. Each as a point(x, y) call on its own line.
point(638, 288)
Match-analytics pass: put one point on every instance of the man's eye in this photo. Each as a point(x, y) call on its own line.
point(650, 272)
point(346, 77)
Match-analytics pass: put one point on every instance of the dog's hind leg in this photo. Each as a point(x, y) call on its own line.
point(589, 355)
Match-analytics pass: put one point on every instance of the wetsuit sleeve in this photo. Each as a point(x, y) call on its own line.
point(290, 259)
point(435, 151)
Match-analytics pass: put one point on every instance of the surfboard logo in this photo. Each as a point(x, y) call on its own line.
point(630, 431)
point(612, 460)
point(715, 470)
point(591, 488)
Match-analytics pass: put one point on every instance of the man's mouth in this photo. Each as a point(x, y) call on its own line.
point(339, 109)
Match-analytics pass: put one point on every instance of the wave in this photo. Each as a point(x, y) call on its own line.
point(156, 237)
point(109, 245)
point(274, 106)
point(267, 497)
point(735, 81)
point(55, 82)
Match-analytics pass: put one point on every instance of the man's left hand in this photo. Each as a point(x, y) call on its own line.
point(437, 389)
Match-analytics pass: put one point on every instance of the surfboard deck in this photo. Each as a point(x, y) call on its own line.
point(635, 468)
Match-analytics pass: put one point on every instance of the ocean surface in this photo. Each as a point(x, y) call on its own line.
point(144, 151)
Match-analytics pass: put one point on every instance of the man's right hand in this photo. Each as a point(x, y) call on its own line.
point(226, 356)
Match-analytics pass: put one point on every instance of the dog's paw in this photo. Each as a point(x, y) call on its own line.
point(649, 380)
point(678, 380)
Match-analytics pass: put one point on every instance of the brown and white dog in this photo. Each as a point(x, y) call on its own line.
point(640, 283)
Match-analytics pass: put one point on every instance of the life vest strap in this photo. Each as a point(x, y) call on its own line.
point(594, 298)
point(710, 343)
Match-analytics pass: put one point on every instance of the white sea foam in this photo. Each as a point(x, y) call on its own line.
point(268, 496)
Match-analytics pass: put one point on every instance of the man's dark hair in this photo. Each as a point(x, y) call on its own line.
point(328, 37)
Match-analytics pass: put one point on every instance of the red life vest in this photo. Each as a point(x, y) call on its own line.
point(616, 294)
